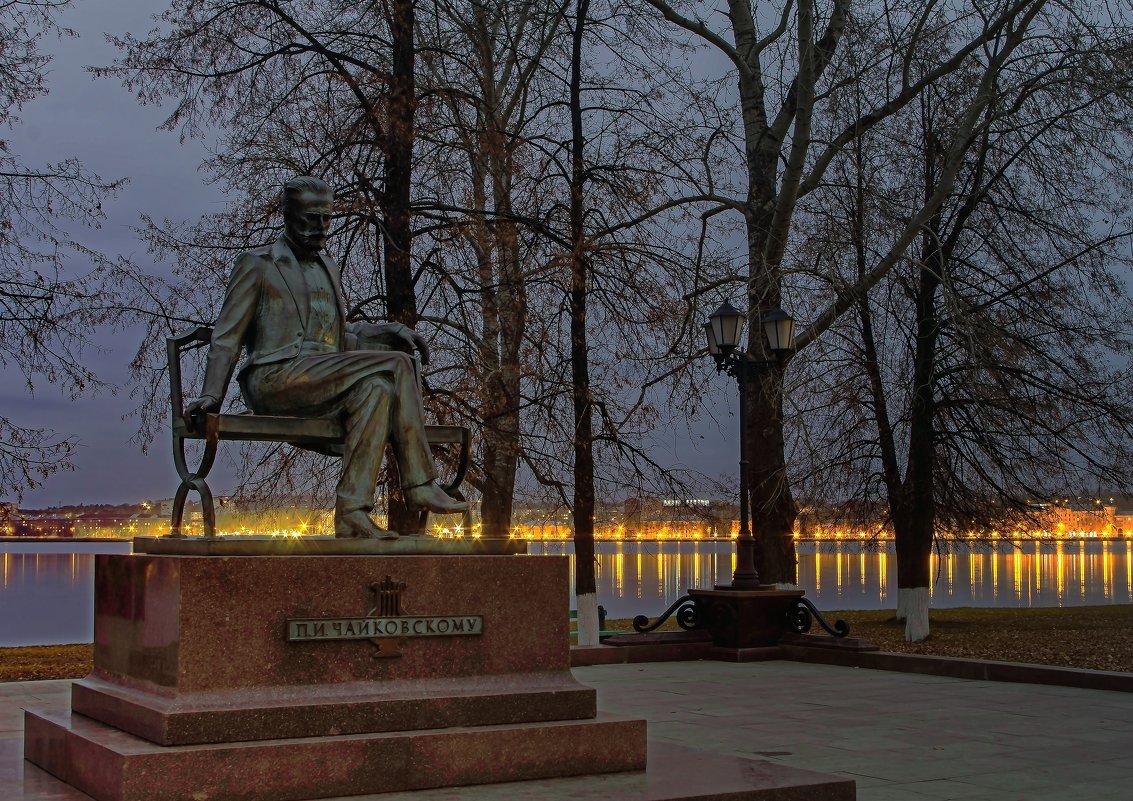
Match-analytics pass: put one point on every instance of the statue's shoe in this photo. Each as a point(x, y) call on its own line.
point(433, 499)
point(358, 525)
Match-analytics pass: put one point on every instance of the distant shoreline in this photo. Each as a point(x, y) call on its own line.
point(1110, 538)
point(66, 539)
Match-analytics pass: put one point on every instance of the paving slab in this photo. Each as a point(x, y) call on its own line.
point(900, 737)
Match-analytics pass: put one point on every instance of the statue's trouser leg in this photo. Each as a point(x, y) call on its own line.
point(377, 393)
point(367, 410)
point(380, 408)
point(410, 443)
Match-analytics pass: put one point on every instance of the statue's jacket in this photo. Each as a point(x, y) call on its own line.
point(266, 309)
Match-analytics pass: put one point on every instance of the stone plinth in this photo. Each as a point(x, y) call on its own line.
point(109, 764)
point(745, 618)
point(174, 625)
point(264, 545)
point(203, 686)
point(262, 677)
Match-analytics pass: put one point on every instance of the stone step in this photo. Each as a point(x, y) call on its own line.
point(111, 765)
point(271, 713)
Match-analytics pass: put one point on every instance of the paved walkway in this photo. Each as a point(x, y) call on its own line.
point(901, 737)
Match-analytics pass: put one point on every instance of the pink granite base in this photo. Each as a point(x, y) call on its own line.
point(110, 765)
point(317, 711)
point(198, 694)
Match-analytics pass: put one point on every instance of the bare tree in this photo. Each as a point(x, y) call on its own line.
point(790, 68)
point(487, 68)
point(961, 359)
point(54, 291)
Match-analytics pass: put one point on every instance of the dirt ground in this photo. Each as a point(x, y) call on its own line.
point(46, 662)
point(1093, 637)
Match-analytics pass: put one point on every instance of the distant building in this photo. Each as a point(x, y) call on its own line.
point(1078, 518)
point(677, 518)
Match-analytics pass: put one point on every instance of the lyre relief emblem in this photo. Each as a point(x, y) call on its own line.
point(387, 603)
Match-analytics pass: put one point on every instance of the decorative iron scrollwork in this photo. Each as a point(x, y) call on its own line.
point(803, 613)
point(686, 609)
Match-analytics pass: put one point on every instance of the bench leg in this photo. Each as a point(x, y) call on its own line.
point(193, 480)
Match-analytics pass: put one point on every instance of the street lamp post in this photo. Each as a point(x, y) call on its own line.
point(743, 615)
point(723, 330)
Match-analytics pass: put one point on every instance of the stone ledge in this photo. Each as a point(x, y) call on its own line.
point(264, 545)
point(953, 667)
point(110, 765)
point(324, 710)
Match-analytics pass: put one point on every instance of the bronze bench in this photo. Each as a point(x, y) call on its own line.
point(313, 433)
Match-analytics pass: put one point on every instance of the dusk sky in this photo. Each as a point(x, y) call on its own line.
point(103, 125)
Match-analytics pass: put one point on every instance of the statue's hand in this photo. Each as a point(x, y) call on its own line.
point(418, 343)
point(202, 405)
point(393, 336)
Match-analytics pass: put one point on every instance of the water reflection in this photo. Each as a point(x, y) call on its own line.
point(46, 589)
point(645, 577)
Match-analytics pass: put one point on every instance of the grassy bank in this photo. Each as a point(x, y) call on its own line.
point(1093, 637)
point(36, 662)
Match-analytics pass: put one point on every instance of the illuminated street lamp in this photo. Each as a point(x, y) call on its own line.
point(742, 615)
point(724, 330)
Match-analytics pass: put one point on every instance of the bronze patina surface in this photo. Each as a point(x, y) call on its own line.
point(284, 306)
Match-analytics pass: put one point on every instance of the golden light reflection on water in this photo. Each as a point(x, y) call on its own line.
point(994, 578)
point(645, 577)
point(1060, 576)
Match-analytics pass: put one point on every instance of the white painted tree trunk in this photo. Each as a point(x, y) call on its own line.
point(588, 619)
point(903, 602)
point(916, 613)
point(786, 585)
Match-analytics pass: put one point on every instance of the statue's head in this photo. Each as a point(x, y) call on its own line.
point(308, 206)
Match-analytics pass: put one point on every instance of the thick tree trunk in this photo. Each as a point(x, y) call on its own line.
point(397, 235)
point(772, 504)
point(504, 298)
point(914, 530)
point(585, 585)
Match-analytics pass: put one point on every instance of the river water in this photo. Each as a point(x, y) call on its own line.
point(47, 589)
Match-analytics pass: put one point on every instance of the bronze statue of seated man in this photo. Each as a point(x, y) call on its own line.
point(284, 305)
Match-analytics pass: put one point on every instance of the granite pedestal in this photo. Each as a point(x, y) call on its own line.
point(286, 677)
point(295, 677)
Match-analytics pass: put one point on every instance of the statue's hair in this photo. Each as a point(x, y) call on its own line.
point(300, 184)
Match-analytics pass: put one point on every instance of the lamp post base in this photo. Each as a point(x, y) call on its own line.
point(742, 618)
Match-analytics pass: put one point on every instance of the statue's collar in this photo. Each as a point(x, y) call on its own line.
point(291, 249)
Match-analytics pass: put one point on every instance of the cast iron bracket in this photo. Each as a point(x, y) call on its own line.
point(803, 613)
point(689, 616)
